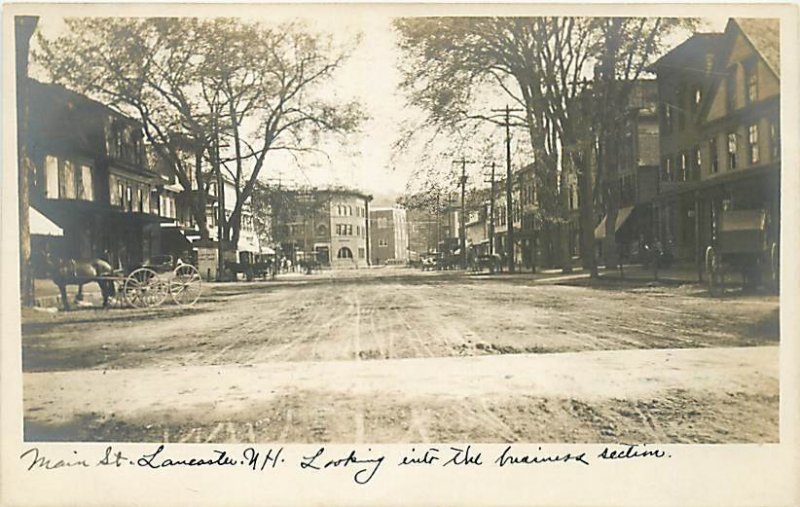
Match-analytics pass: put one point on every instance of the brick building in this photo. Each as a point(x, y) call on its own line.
point(388, 236)
point(329, 226)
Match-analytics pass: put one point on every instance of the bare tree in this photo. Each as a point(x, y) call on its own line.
point(543, 66)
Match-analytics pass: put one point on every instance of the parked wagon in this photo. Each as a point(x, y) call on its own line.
point(746, 245)
point(157, 280)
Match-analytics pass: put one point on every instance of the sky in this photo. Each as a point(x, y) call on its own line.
point(365, 161)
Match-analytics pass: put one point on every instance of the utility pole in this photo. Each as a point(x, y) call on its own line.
point(509, 185)
point(462, 222)
point(491, 212)
point(220, 202)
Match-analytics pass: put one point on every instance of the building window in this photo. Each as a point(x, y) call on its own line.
point(139, 199)
point(383, 242)
point(697, 99)
point(730, 90)
point(146, 201)
point(697, 163)
point(683, 160)
point(775, 139)
point(751, 79)
point(667, 109)
point(129, 198)
point(362, 253)
point(349, 229)
point(51, 177)
point(667, 168)
point(752, 142)
point(344, 253)
point(68, 188)
point(681, 100)
point(86, 190)
point(713, 155)
point(113, 191)
point(732, 150)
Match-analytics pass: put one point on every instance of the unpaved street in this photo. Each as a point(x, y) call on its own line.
point(396, 355)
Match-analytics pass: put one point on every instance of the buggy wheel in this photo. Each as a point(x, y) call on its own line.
point(144, 288)
point(713, 272)
point(185, 286)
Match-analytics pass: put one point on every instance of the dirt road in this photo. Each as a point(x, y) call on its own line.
point(393, 355)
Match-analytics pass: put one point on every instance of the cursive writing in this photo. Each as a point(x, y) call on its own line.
point(38, 460)
point(156, 461)
point(632, 451)
point(361, 476)
point(507, 458)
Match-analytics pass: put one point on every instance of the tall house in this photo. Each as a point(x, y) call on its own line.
point(388, 235)
point(637, 156)
point(719, 100)
point(91, 177)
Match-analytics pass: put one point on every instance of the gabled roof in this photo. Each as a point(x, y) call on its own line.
point(764, 34)
point(695, 47)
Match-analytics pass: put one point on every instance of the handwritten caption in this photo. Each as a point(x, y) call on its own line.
point(364, 466)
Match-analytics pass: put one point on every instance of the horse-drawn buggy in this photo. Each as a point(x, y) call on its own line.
point(747, 243)
point(145, 286)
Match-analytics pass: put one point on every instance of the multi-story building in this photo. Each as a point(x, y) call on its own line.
point(330, 226)
point(248, 245)
point(90, 176)
point(720, 138)
point(637, 157)
point(388, 235)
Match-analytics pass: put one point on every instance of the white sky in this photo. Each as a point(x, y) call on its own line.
point(371, 76)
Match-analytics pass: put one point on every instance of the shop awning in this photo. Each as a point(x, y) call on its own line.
point(267, 250)
point(622, 215)
point(41, 225)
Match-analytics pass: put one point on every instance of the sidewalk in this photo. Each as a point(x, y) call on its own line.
point(47, 295)
point(675, 274)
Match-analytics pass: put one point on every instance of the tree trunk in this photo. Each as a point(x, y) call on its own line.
point(586, 210)
point(23, 30)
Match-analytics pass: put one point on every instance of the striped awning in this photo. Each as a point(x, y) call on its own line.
point(41, 225)
point(622, 216)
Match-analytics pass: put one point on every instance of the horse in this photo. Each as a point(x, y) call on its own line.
point(65, 272)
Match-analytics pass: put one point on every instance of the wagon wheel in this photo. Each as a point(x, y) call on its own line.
point(775, 265)
point(713, 271)
point(185, 286)
point(144, 288)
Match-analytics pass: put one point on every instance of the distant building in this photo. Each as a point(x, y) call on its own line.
point(719, 104)
point(91, 177)
point(329, 226)
point(248, 245)
point(389, 235)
